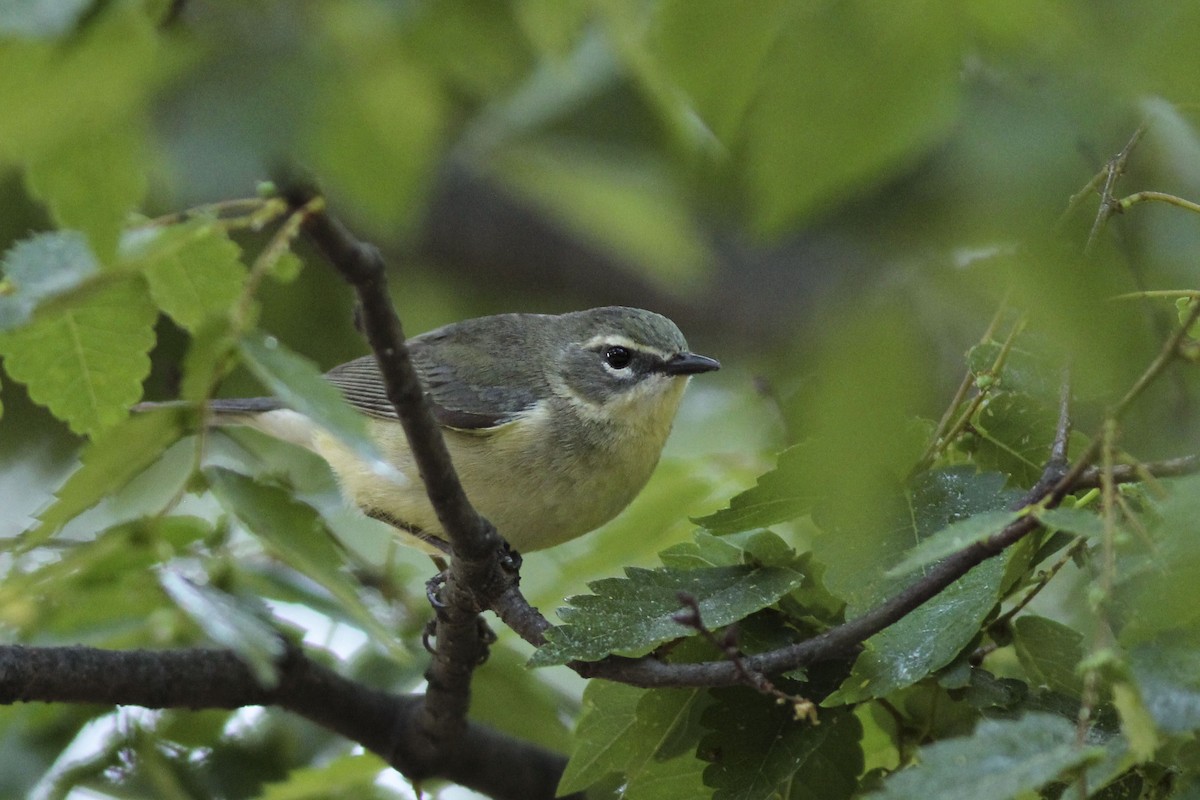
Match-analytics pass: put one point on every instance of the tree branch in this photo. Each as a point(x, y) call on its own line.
point(475, 575)
point(384, 723)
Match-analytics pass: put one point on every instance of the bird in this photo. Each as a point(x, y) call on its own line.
point(554, 423)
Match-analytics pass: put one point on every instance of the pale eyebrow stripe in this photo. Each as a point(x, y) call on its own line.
point(616, 340)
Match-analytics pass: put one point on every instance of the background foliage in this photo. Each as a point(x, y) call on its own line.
point(835, 198)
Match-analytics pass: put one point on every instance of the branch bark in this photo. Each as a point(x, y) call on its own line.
point(386, 724)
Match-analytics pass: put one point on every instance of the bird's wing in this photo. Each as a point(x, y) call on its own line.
point(456, 402)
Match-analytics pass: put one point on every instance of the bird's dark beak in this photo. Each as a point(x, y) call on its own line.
point(690, 364)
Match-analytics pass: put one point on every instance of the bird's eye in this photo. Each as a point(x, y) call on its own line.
point(617, 357)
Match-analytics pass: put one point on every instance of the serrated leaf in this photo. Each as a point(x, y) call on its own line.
point(952, 538)
point(298, 383)
point(602, 744)
point(86, 361)
point(680, 778)
point(230, 623)
point(1073, 520)
point(296, 534)
point(784, 493)
point(194, 269)
point(1013, 433)
point(925, 640)
point(40, 268)
point(108, 463)
point(760, 750)
point(1049, 651)
point(857, 556)
point(92, 183)
point(663, 729)
point(636, 613)
point(1002, 759)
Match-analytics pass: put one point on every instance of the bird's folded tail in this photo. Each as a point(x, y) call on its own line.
point(265, 414)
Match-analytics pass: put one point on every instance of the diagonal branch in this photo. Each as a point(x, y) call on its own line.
point(475, 574)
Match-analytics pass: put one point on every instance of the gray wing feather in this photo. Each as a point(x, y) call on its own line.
point(456, 403)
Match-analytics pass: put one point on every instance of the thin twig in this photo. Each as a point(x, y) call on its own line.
point(1113, 170)
point(727, 645)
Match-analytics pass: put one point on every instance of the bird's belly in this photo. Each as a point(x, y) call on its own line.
point(536, 495)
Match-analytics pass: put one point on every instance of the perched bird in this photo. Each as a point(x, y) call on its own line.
point(554, 423)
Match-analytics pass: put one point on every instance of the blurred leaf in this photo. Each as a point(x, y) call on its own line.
point(1002, 759)
point(1158, 583)
point(1073, 520)
point(95, 80)
point(34, 18)
point(636, 613)
point(1025, 371)
point(350, 776)
point(817, 99)
point(383, 120)
point(1137, 724)
point(86, 361)
point(40, 268)
point(91, 183)
point(857, 557)
point(106, 465)
point(952, 538)
point(786, 492)
point(1166, 671)
point(925, 640)
point(1050, 652)
point(1013, 435)
point(619, 202)
point(230, 622)
point(297, 535)
point(297, 382)
point(193, 269)
point(209, 358)
point(761, 751)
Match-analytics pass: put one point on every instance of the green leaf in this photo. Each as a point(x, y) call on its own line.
point(815, 100)
point(636, 613)
point(1002, 759)
point(925, 640)
point(100, 78)
point(1167, 673)
point(296, 533)
point(952, 538)
point(348, 775)
point(92, 182)
point(1073, 520)
point(41, 268)
point(193, 269)
point(680, 778)
point(230, 622)
point(602, 741)
point(1013, 435)
point(1049, 651)
point(297, 382)
point(857, 556)
point(762, 751)
point(108, 463)
point(784, 493)
point(86, 361)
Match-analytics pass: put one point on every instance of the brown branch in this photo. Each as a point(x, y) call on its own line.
point(384, 723)
point(475, 575)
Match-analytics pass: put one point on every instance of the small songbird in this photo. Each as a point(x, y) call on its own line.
point(554, 423)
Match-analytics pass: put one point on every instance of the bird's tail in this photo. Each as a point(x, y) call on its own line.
point(265, 414)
